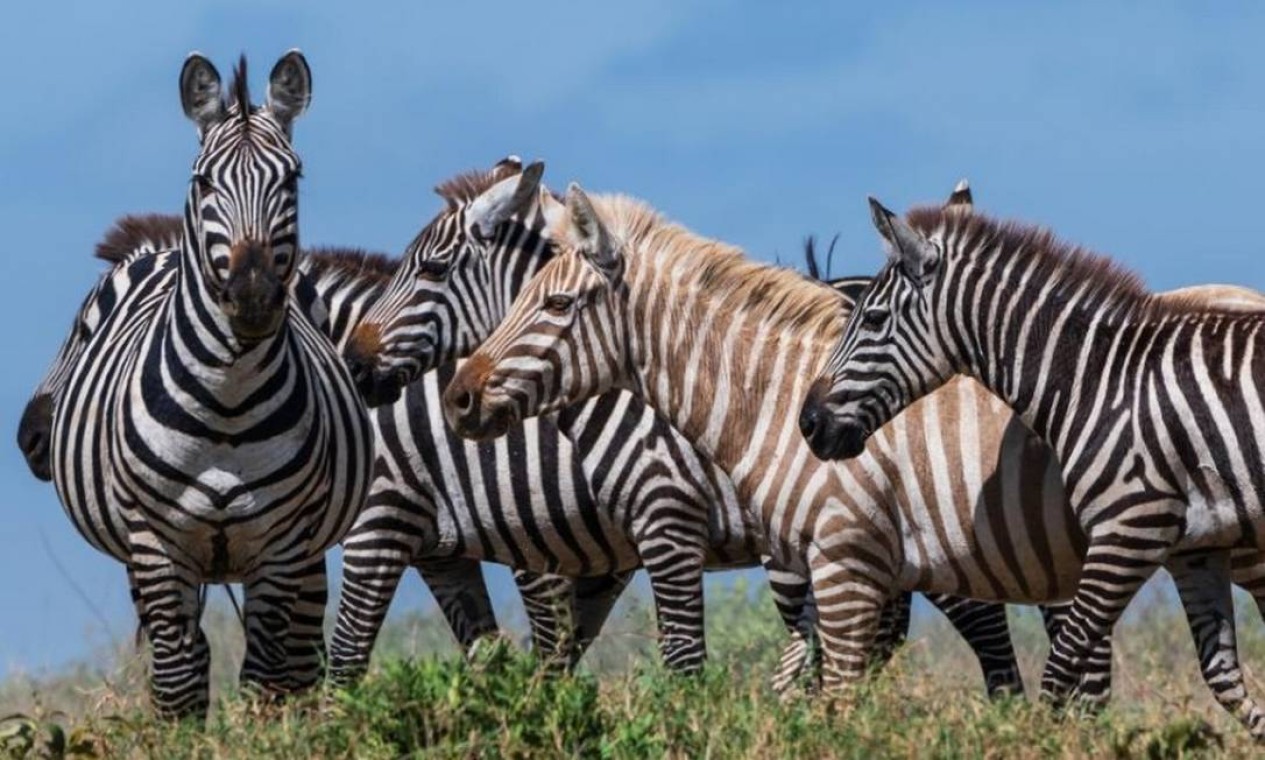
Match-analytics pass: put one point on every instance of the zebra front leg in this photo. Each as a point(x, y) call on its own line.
point(371, 573)
point(985, 627)
point(850, 601)
point(462, 596)
point(674, 563)
point(305, 639)
point(1203, 582)
point(272, 593)
point(1094, 689)
point(550, 604)
point(167, 603)
point(1122, 555)
point(792, 595)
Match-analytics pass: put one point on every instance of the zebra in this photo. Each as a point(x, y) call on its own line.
point(209, 431)
point(1149, 404)
point(456, 283)
point(587, 322)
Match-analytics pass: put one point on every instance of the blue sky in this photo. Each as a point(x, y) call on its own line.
point(1137, 129)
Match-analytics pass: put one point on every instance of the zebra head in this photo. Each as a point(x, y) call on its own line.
point(456, 280)
point(892, 351)
point(242, 212)
point(563, 340)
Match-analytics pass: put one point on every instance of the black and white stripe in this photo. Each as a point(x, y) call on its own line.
point(458, 279)
point(209, 431)
point(1151, 405)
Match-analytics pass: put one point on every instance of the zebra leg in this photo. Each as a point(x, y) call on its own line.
point(169, 609)
point(272, 593)
point(1122, 555)
point(594, 598)
point(462, 595)
point(793, 598)
point(1203, 582)
point(850, 602)
point(1247, 571)
point(985, 627)
point(1094, 689)
point(305, 640)
point(550, 604)
point(675, 566)
point(371, 574)
point(893, 629)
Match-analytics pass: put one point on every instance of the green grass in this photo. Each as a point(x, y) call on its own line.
point(422, 700)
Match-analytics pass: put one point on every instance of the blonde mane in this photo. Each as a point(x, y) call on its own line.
point(779, 297)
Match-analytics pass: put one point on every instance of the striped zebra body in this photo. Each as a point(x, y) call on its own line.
point(954, 496)
point(1149, 403)
point(209, 431)
point(459, 278)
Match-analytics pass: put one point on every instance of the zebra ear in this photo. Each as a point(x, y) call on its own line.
point(200, 93)
point(510, 196)
point(960, 199)
point(551, 209)
point(591, 236)
point(917, 255)
point(289, 88)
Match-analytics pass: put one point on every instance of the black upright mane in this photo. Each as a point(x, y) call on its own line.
point(467, 186)
point(353, 262)
point(1109, 283)
point(140, 232)
point(241, 89)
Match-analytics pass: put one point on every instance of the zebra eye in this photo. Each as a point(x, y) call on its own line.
point(559, 304)
point(204, 184)
point(430, 269)
point(874, 317)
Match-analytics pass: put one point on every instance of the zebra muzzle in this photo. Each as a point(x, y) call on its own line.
point(253, 297)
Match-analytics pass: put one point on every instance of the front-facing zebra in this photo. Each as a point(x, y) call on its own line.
point(209, 432)
point(1152, 405)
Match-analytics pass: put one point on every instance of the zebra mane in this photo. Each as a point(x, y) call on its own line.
point(783, 297)
point(1111, 285)
point(467, 186)
point(351, 262)
point(241, 89)
point(137, 233)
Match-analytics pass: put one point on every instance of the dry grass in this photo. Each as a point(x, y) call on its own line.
point(929, 702)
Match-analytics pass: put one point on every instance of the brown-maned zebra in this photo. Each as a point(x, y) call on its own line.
point(1151, 405)
point(954, 496)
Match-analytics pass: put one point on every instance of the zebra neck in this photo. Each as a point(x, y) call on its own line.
point(729, 379)
point(1053, 356)
point(198, 345)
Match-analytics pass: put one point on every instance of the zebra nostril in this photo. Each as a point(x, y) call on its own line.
point(809, 415)
point(463, 402)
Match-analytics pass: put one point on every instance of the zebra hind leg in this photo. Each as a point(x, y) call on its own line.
point(169, 608)
point(1203, 582)
point(893, 629)
point(986, 629)
point(462, 595)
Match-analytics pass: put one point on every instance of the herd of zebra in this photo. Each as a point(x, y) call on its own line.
point(576, 387)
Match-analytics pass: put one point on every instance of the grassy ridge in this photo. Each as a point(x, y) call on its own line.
point(422, 700)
